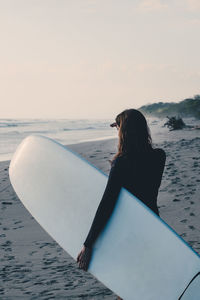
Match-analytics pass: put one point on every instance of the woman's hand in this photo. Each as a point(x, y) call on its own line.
point(83, 258)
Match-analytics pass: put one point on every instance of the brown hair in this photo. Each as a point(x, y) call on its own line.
point(134, 133)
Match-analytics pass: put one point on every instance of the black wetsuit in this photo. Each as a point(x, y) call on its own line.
point(141, 176)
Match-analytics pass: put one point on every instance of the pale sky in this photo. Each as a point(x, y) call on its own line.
point(94, 58)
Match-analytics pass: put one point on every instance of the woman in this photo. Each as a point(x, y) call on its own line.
point(137, 166)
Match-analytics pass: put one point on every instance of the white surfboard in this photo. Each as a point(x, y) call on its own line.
point(137, 255)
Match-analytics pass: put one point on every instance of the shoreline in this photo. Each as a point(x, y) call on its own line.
point(158, 131)
point(73, 145)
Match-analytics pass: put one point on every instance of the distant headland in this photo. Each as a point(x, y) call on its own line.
point(189, 107)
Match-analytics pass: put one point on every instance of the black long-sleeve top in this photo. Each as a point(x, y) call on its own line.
point(140, 175)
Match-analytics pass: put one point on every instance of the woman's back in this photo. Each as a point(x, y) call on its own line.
point(142, 175)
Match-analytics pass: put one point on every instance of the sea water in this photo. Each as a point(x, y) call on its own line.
point(64, 131)
point(73, 131)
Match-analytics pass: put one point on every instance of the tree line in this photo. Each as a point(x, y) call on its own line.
point(189, 107)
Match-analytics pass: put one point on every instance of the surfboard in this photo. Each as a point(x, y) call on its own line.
point(137, 255)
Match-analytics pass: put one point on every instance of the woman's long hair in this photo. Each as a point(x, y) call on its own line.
point(134, 133)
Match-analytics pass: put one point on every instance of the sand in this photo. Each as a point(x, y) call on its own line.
point(33, 266)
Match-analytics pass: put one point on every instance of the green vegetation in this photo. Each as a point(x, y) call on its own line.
point(186, 108)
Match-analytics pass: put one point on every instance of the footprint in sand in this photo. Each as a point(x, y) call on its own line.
point(5, 228)
point(18, 227)
point(183, 234)
point(7, 244)
point(32, 252)
point(172, 191)
point(195, 164)
point(186, 208)
point(184, 221)
point(18, 222)
point(191, 227)
point(192, 242)
point(176, 200)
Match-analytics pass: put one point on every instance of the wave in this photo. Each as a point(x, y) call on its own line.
point(18, 123)
point(82, 128)
point(3, 125)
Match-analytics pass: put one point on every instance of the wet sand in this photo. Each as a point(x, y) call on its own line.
point(33, 266)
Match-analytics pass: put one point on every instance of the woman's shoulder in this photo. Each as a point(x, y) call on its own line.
point(124, 160)
point(119, 162)
point(159, 151)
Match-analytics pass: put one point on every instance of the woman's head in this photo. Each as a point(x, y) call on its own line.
point(134, 134)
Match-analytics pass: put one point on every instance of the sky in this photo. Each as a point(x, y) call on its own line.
point(95, 58)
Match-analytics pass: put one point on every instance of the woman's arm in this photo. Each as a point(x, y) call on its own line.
point(107, 203)
point(162, 160)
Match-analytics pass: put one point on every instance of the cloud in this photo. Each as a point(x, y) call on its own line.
point(152, 5)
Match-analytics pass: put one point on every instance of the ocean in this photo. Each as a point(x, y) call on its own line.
point(71, 131)
point(64, 131)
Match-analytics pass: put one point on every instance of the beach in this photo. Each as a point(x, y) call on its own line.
point(34, 266)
